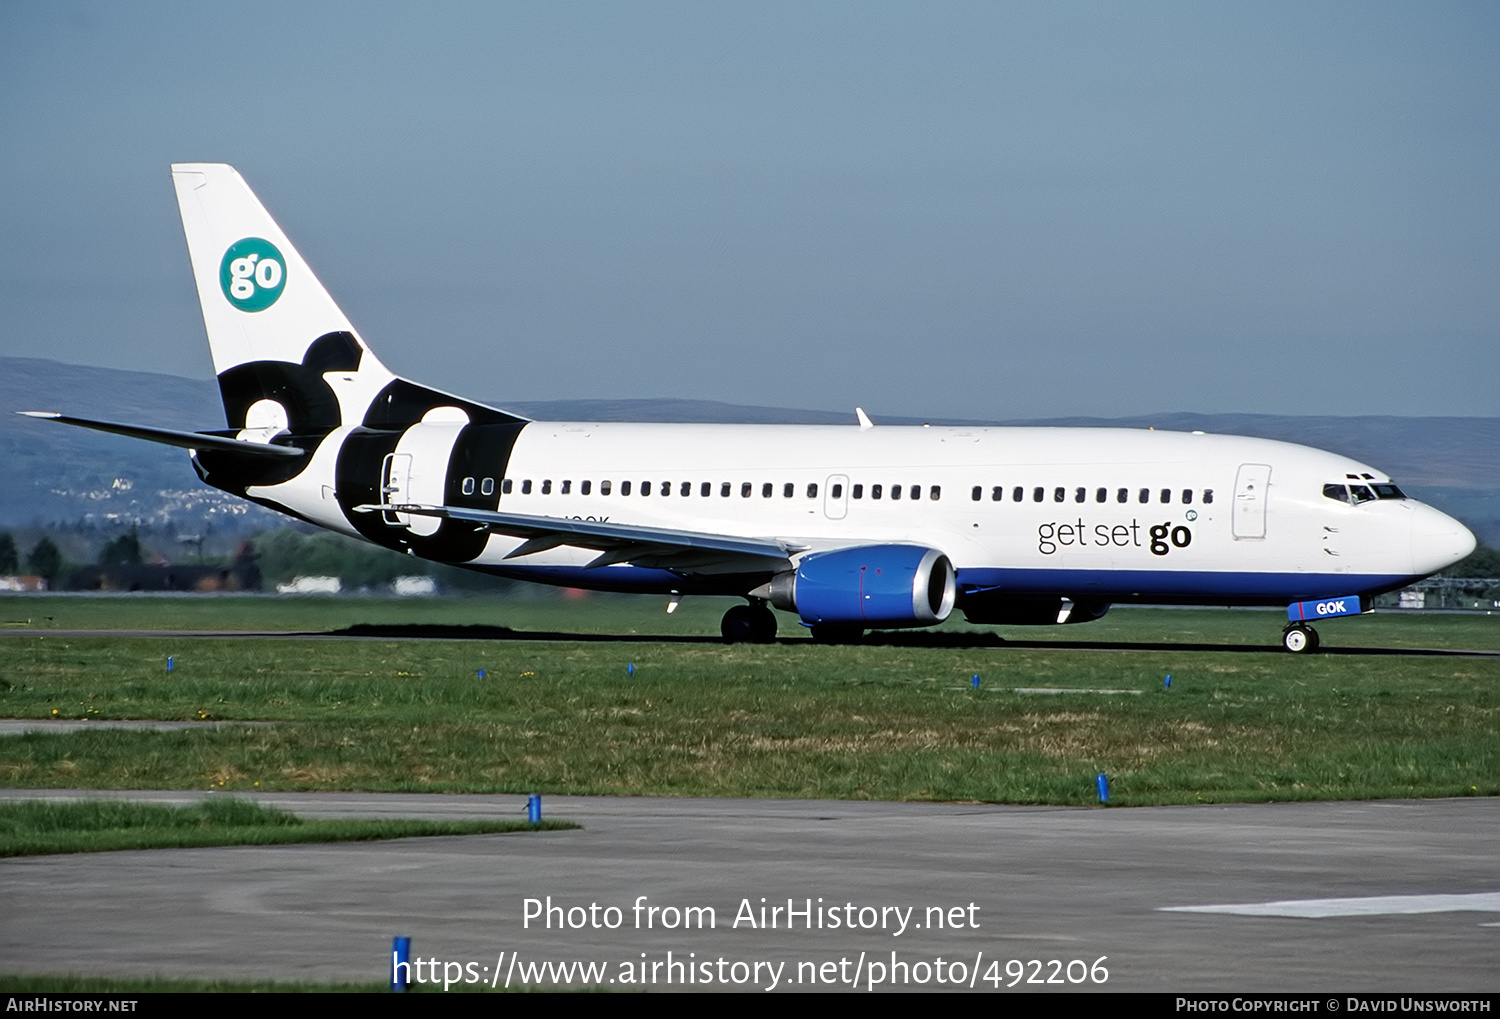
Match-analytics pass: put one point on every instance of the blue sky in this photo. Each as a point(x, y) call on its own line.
point(983, 211)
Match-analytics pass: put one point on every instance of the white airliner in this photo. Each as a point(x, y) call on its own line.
point(851, 528)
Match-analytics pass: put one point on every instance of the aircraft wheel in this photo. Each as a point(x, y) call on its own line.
point(739, 625)
point(763, 626)
point(748, 624)
point(1299, 639)
point(837, 634)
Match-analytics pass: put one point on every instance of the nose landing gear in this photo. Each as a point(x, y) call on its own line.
point(1299, 639)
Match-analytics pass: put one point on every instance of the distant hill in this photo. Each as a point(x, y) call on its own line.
point(56, 473)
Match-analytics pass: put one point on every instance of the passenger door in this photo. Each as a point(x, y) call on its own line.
point(1250, 490)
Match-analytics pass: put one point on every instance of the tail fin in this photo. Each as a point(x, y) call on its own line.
point(274, 331)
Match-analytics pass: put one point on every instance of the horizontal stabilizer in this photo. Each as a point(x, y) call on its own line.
point(691, 551)
point(172, 437)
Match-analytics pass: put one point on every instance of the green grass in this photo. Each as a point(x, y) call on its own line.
point(644, 616)
point(89, 826)
point(882, 721)
point(72, 984)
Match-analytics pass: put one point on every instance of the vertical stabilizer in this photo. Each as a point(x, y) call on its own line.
point(275, 333)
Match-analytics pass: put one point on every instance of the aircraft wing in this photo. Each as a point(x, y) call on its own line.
point(654, 547)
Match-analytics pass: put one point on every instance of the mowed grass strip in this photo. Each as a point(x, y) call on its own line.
point(788, 720)
point(47, 983)
point(42, 827)
point(637, 616)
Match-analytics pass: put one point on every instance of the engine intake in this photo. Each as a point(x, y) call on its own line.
point(871, 586)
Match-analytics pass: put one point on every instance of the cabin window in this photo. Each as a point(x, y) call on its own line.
point(1080, 494)
point(745, 490)
point(977, 492)
point(604, 488)
point(487, 486)
point(1187, 496)
point(1122, 495)
point(526, 487)
point(1208, 496)
point(706, 489)
point(812, 490)
point(624, 488)
point(1166, 496)
point(1101, 495)
point(724, 490)
point(997, 493)
point(1016, 494)
point(1145, 495)
point(787, 490)
point(468, 486)
point(935, 492)
point(547, 487)
point(645, 488)
point(837, 492)
point(567, 487)
point(1059, 494)
point(687, 489)
point(875, 491)
point(895, 491)
point(858, 492)
point(505, 487)
point(766, 490)
point(666, 488)
point(585, 486)
point(916, 491)
point(1037, 493)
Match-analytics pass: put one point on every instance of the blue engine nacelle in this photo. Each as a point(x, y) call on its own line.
point(872, 586)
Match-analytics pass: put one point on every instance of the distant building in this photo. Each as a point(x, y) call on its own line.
point(311, 585)
point(165, 577)
point(414, 587)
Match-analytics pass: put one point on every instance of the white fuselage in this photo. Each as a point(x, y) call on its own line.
point(1112, 514)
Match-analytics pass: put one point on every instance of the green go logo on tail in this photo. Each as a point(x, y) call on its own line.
point(252, 274)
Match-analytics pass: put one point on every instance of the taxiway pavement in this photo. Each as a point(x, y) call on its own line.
point(1011, 883)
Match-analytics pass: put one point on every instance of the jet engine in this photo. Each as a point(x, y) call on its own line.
point(869, 587)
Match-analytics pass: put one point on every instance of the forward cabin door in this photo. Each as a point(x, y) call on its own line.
point(1250, 489)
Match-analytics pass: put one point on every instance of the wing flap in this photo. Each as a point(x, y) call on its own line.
point(657, 547)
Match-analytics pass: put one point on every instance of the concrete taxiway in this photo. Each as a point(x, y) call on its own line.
point(1396, 896)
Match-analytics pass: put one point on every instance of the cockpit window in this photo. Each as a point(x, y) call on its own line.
point(1363, 493)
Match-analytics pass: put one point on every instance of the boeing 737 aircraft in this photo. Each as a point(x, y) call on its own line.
point(852, 528)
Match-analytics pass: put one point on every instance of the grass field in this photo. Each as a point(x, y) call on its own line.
point(86, 826)
point(885, 721)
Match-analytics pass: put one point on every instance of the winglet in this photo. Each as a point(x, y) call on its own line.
point(865, 424)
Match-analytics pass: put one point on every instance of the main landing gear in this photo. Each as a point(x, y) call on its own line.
point(749, 624)
point(1299, 639)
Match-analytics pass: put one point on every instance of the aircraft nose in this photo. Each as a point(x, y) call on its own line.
point(1437, 540)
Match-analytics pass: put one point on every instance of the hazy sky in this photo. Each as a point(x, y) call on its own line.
point(986, 211)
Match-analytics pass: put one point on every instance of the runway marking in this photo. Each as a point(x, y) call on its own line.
point(1059, 689)
point(1372, 905)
